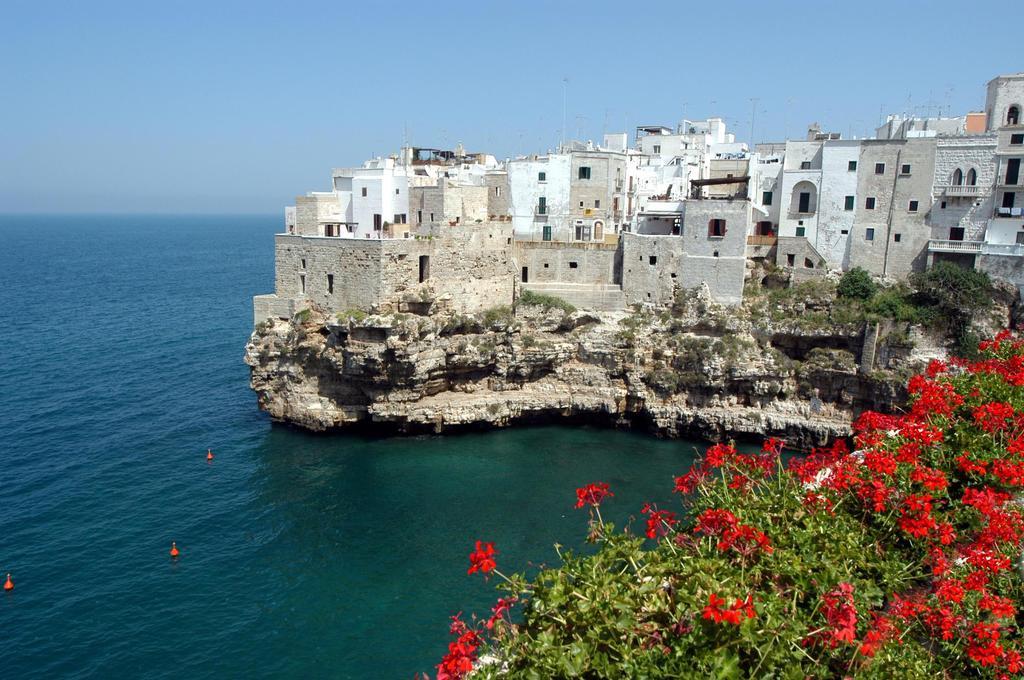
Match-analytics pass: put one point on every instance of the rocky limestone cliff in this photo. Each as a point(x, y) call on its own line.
point(696, 369)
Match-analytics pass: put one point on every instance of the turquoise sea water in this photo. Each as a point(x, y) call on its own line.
point(301, 555)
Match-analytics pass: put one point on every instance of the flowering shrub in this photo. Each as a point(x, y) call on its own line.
point(898, 558)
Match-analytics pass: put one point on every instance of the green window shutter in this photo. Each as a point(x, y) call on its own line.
point(850, 202)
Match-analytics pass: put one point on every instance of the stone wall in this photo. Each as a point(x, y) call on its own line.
point(1009, 267)
point(304, 263)
point(653, 267)
point(469, 266)
point(797, 254)
point(313, 208)
point(498, 200)
point(448, 202)
point(577, 263)
point(899, 236)
point(971, 213)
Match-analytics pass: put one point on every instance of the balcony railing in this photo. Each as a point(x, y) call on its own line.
point(964, 190)
point(1003, 249)
point(762, 240)
point(944, 246)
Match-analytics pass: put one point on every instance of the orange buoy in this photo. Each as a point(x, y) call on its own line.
point(9, 584)
point(209, 455)
point(174, 549)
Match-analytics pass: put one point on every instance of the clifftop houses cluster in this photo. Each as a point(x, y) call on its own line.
point(612, 224)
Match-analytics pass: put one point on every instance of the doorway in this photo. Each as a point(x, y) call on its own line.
point(424, 268)
point(526, 274)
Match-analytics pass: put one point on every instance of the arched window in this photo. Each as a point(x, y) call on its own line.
point(1013, 115)
point(972, 177)
point(958, 177)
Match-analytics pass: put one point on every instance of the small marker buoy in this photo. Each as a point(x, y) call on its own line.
point(174, 549)
point(9, 584)
point(209, 455)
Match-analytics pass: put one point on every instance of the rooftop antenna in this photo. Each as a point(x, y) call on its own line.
point(785, 119)
point(565, 87)
point(753, 111)
point(579, 135)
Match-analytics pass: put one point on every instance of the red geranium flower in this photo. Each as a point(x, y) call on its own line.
point(592, 494)
point(482, 559)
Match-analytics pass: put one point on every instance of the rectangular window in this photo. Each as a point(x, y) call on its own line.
point(330, 283)
point(547, 234)
point(849, 203)
point(419, 217)
point(912, 207)
point(652, 260)
point(584, 172)
point(766, 197)
point(879, 168)
point(597, 204)
point(790, 259)
point(852, 166)
point(869, 234)
point(800, 231)
point(844, 232)
point(424, 268)
point(542, 177)
point(542, 205)
point(302, 283)
point(581, 204)
point(574, 265)
point(657, 148)
point(897, 237)
point(396, 192)
point(942, 205)
point(1017, 139)
point(1020, 238)
point(377, 222)
point(805, 165)
point(364, 191)
point(869, 203)
point(303, 263)
point(905, 169)
point(497, 191)
point(716, 228)
point(431, 217)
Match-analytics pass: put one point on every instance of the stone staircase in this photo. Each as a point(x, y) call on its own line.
point(867, 354)
point(595, 297)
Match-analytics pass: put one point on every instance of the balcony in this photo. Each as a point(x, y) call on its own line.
point(969, 190)
point(944, 246)
point(762, 240)
point(1007, 212)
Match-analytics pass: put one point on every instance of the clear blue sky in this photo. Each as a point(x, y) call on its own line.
point(236, 107)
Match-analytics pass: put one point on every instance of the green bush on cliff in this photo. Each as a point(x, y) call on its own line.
point(529, 297)
point(356, 315)
point(856, 284)
point(500, 315)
